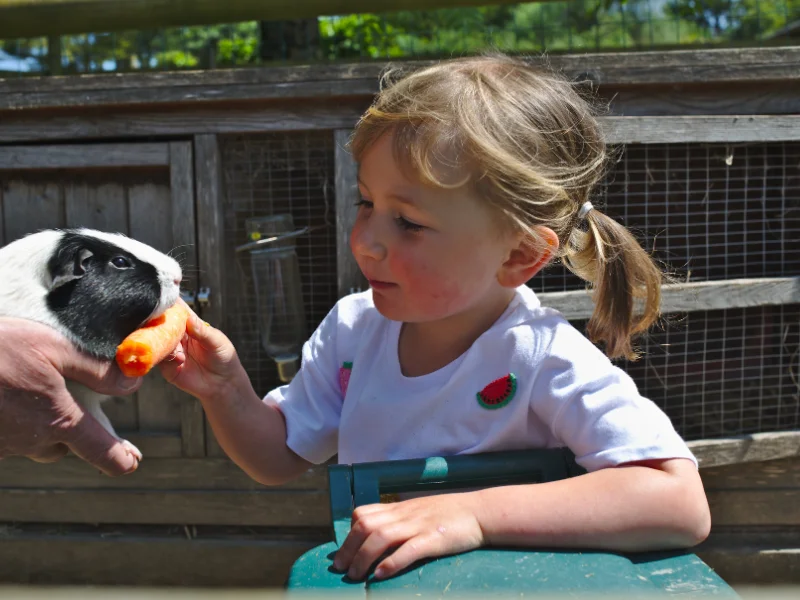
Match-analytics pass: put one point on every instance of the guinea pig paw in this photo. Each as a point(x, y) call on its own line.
point(132, 449)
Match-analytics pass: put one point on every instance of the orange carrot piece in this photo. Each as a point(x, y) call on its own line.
point(153, 342)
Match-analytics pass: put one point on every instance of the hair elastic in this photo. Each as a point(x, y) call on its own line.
point(587, 206)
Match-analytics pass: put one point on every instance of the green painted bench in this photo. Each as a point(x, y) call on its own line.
point(495, 571)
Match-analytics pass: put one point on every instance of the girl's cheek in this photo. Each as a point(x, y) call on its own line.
point(434, 289)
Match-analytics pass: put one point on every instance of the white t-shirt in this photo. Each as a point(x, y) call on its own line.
point(351, 397)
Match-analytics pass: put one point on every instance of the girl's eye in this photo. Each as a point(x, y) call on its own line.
point(365, 203)
point(408, 225)
point(121, 262)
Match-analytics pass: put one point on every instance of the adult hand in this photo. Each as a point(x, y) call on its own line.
point(38, 416)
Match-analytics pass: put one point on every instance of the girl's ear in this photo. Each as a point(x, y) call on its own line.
point(528, 257)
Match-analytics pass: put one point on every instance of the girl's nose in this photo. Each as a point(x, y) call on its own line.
point(365, 242)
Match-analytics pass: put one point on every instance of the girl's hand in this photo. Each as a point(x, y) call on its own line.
point(413, 529)
point(205, 362)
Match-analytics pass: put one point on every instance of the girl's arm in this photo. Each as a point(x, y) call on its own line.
point(640, 506)
point(646, 506)
point(251, 431)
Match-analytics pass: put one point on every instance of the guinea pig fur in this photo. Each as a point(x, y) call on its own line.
point(93, 287)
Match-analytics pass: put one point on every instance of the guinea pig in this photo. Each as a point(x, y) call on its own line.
point(93, 287)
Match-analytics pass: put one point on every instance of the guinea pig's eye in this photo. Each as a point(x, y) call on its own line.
point(121, 262)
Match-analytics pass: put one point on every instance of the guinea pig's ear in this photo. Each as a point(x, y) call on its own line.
point(70, 266)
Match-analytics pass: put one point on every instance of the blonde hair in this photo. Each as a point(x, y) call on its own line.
point(535, 151)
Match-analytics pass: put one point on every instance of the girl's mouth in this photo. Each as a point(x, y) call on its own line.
point(380, 285)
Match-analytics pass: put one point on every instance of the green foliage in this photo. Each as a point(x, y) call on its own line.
point(577, 25)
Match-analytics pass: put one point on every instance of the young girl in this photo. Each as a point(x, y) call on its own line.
point(474, 175)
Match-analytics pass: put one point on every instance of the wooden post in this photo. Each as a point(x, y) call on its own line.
point(349, 277)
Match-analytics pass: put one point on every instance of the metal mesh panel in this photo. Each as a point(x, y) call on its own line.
point(707, 211)
point(725, 372)
point(268, 174)
point(715, 373)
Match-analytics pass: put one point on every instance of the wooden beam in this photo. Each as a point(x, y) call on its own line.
point(298, 116)
point(757, 447)
point(272, 508)
point(349, 276)
point(689, 297)
point(31, 18)
point(696, 67)
point(89, 156)
point(701, 129)
point(131, 559)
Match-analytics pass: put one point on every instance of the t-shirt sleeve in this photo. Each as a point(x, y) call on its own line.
point(312, 402)
point(594, 408)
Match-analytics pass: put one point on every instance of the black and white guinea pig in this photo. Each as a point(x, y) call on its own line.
point(93, 287)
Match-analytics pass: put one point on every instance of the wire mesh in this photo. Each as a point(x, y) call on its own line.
point(531, 27)
point(715, 373)
point(268, 174)
point(706, 211)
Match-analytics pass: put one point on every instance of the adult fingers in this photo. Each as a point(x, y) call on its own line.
point(50, 454)
point(90, 441)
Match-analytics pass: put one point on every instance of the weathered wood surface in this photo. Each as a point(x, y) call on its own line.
point(754, 494)
point(294, 117)
point(349, 276)
point(30, 206)
point(662, 68)
point(152, 474)
point(707, 129)
point(688, 297)
point(757, 447)
point(88, 156)
point(275, 508)
point(34, 18)
point(211, 241)
point(191, 557)
point(184, 244)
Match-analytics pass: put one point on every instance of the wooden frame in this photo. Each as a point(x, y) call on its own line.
point(177, 157)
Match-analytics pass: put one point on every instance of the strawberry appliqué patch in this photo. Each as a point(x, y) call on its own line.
point(344, 377)
point(498, 393)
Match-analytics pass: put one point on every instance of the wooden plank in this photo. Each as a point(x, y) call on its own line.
point(185, 245)
point(773, 507)
point(33, 18)
point(153, 474)
point(89, 156)
point(273, 508)
point(2, 217)
point(29, 207)
point(771, 474)
point(652, 68)
point(294, 117)
point(756, 447)
point(767, 98)
point(763, 556)
point(733, 129)
point(156, 474)
point(154, 444)
point(688, 297)
point(150, 216)
point(211, 240)
point(348, 275)
point(128, 556)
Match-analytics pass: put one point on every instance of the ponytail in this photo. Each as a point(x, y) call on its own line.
point(625, 280)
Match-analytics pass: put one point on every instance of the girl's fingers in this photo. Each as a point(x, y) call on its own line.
point(408, 553)
point(376, 544)
point(362, 527)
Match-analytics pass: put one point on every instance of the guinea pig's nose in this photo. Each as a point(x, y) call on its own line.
point(177, 280)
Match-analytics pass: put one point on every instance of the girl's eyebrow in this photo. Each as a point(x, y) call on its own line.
point(394, 195)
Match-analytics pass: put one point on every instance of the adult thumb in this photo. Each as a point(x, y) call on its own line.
point(91, 442)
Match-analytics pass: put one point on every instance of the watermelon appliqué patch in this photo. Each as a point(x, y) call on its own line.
point(344, 377)
point(498, 393)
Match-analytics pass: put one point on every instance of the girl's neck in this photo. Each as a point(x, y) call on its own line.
point(429, 346)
